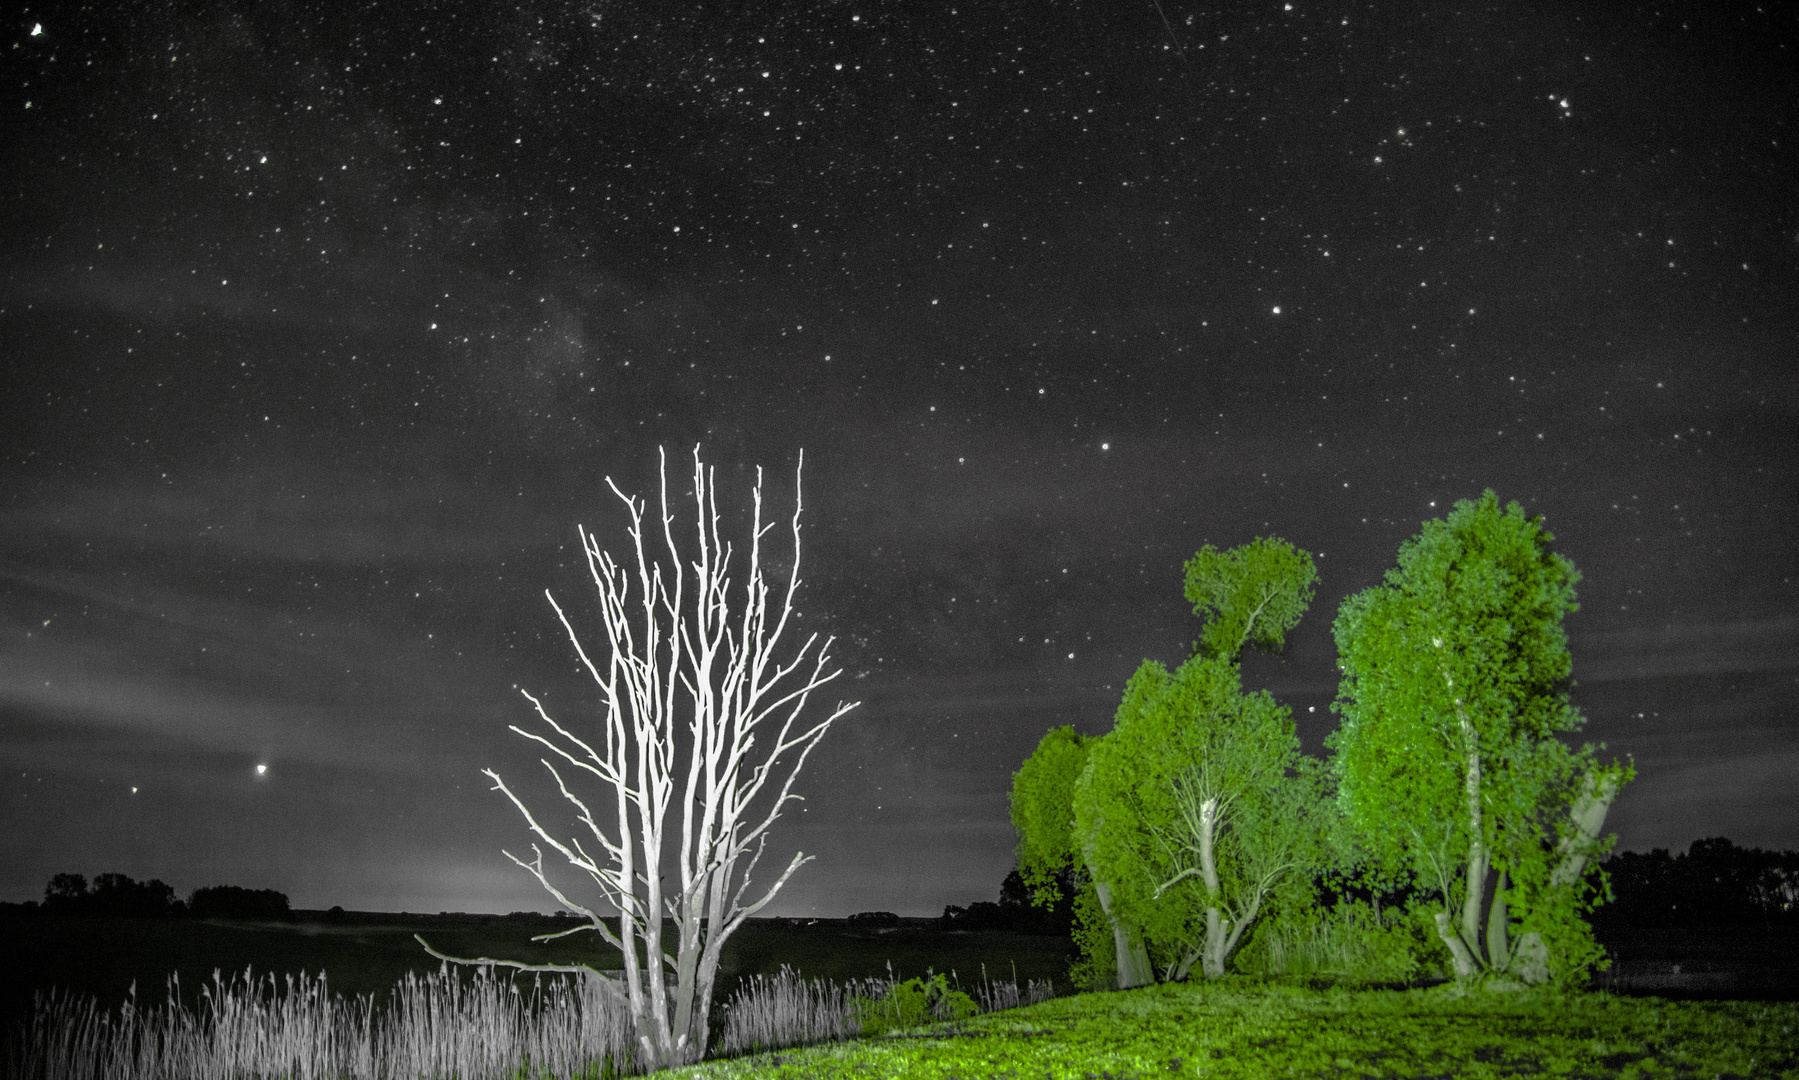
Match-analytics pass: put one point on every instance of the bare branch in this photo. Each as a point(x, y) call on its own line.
point(488, 961)
point(698, 658)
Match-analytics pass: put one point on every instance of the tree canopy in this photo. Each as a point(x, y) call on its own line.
point(1194, 819)
point(1042, 801)
point(1043, 795)
point(1454, 680)
point(1252, 595)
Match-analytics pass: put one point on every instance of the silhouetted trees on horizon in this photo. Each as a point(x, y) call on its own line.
point(119, 895)
point(1715, 883)
point(1014, 911)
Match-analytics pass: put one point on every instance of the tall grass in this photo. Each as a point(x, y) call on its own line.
point(774, 1013)
point(1351, 941)
point(439, 1027)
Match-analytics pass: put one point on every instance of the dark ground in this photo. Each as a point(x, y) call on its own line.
point(367, 953)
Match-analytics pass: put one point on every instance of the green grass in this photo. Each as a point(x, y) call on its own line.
point(1248, 1028)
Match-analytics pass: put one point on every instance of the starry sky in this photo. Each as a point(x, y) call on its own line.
point(321, 330)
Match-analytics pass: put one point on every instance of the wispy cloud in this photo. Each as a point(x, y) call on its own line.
point(1676, 649)
point(284, 512)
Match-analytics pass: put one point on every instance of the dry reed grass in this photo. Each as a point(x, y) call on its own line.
point(436, 1026)
point(439, 1027)
point(775, 1013)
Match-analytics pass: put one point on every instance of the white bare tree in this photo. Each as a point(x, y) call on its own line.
point(673, 660)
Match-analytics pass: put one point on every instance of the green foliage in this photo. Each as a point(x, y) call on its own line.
point(1182, 742)
point(1351, 942)
point(1244, 1029)
point(1096, 967)
point(1454, 672)
point(1041, 802)
point(1185, 810)
point(1254, 593)
point(911, 1003)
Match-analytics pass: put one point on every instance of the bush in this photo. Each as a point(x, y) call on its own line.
point(1399, 945)
point(911, 1003)
point(1096, 968)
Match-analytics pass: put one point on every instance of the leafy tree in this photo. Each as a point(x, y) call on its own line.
point(1454, 676)
point(1042, 806)
point(1058, 919)
point(117, 894)
point(1195, 823)
point(1253, 594)
point(1014, 911)
point(872, 919)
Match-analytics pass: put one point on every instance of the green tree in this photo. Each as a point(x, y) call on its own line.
point(1454, 677)
point(1192, 817)
point(1195, 821)
point(1042, 805)
point(1253, 594)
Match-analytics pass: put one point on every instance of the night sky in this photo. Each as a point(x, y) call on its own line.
point(321, 327)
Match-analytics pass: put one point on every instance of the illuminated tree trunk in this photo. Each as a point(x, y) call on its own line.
point(1132, 958)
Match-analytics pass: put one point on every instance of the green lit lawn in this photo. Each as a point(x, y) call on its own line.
point(1247, 1028)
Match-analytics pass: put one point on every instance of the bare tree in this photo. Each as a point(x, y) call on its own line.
point(675, 659)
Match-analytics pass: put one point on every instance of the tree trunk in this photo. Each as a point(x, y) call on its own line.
point(1465, 964)
point(1499, 956)
point(1133, 960)
point(1476, 876)
point(1217, 926)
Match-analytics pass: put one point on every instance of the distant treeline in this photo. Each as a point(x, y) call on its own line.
point(1715, 883)
point(1014, 911)
point(116, 894)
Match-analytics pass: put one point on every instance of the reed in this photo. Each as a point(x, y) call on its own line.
point(439, 1026)
point(782, 1011)
point(1351, 942)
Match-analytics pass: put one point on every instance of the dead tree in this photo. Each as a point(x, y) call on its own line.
point(677, 656)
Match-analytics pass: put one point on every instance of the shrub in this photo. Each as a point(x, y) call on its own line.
point(912, 1003)
point(1399, 945)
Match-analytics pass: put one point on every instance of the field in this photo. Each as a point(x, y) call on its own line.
point(1734, 1021)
